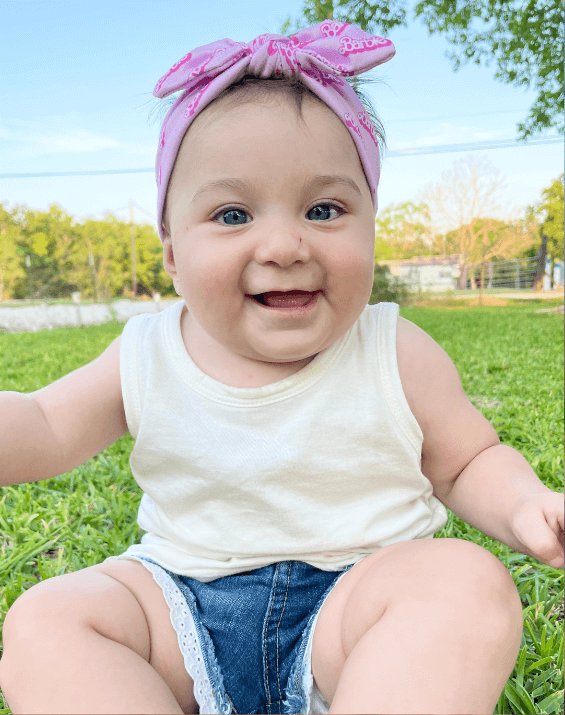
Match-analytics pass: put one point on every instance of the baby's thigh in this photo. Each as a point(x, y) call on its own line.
point(122, 602)
point(430, 576)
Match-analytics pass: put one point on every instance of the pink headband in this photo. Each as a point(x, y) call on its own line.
point(321, 55)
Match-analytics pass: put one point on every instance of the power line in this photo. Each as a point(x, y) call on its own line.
point(75, 173)
point(453, 116)
point(474, 146)
point(438, 149)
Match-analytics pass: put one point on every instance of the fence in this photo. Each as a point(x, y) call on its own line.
point(517, 274)
point(444, 273)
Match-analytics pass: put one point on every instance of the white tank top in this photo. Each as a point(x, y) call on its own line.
point(321, 467)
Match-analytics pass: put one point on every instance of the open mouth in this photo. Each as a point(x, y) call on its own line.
point(286, 299)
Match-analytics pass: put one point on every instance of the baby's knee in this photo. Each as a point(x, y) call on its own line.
point(23, 636)
point(31, 615)
point(488, 574)
point(480, 584)
point(84, 600)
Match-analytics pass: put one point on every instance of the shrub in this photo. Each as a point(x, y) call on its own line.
point(388, 288)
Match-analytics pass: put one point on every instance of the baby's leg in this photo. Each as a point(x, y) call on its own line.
point(424, 626)
point(96, 641)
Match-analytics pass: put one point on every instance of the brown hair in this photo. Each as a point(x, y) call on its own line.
point(256, 90)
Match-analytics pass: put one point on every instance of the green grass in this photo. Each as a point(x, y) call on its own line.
point(511, 365)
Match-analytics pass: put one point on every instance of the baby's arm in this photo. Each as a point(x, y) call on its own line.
point(489, 485)
point(57, 428)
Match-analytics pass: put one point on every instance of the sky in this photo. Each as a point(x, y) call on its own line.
point(76, 82)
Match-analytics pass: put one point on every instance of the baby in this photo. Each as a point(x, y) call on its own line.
point(296, 447)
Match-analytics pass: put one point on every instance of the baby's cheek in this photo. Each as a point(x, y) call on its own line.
point(209, 273)
point(213, 298)
point(352, 269)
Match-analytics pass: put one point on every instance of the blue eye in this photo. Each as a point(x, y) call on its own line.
point(233, 217)
point(322, 212)
point(238, 217)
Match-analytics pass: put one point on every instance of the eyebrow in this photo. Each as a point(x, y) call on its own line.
point(319, 181)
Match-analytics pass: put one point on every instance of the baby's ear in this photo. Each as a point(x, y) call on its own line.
point(165, 227)
point(169, 256)
point(169, 261)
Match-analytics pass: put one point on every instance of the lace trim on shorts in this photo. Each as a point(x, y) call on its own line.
point(189, 645)
point(183, 623)
point(318, 704)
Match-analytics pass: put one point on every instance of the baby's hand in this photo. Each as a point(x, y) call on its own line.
point(537, 524)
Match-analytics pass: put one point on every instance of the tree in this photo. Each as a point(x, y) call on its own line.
point(523, 37)
point(40, 233)
point(11, 269)
point(403, 231)
point(95, 262)
point(388, 288)
point(101, 259)
point(93, 257)
point(462, 207)
point(151, 275)
point(551, 212)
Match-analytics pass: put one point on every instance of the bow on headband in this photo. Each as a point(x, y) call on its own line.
point(320, 55)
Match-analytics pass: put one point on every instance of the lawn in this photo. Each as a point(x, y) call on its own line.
point(511, 364)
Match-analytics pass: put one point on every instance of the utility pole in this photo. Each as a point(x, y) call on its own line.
point(28, 266)
point(133, 252)
point(94, 277)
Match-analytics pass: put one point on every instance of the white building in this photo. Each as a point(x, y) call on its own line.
point(435, 273)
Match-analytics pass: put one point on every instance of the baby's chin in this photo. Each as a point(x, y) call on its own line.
point(276, 357)
point(285, 347)
point(291, 361)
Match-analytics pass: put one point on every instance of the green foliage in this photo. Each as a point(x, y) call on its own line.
point(403, 231)
point(551, 209)
point(370, 17)
point(93, 257)
point(11, 267)
point(523, 38)
point(388, 288)
point(43, 236)
point(510, 361)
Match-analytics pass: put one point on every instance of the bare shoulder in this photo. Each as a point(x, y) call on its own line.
point(85, 408)
point(454, 430)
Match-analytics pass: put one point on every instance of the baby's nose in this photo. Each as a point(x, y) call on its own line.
point(283, 246)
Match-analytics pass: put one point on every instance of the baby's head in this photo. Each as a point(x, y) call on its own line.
point(271, 192)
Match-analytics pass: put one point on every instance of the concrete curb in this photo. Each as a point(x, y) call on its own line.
point(46, 317)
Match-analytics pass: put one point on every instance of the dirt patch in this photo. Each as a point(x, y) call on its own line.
point(556, 309)
point(489, 300)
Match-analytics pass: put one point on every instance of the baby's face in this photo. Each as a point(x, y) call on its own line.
point(263, 203)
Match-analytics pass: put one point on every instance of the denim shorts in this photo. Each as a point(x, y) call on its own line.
point(247, 638)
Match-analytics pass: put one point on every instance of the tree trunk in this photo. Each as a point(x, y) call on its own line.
point(542, 257)
point(482, 283)
point(463, 278)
